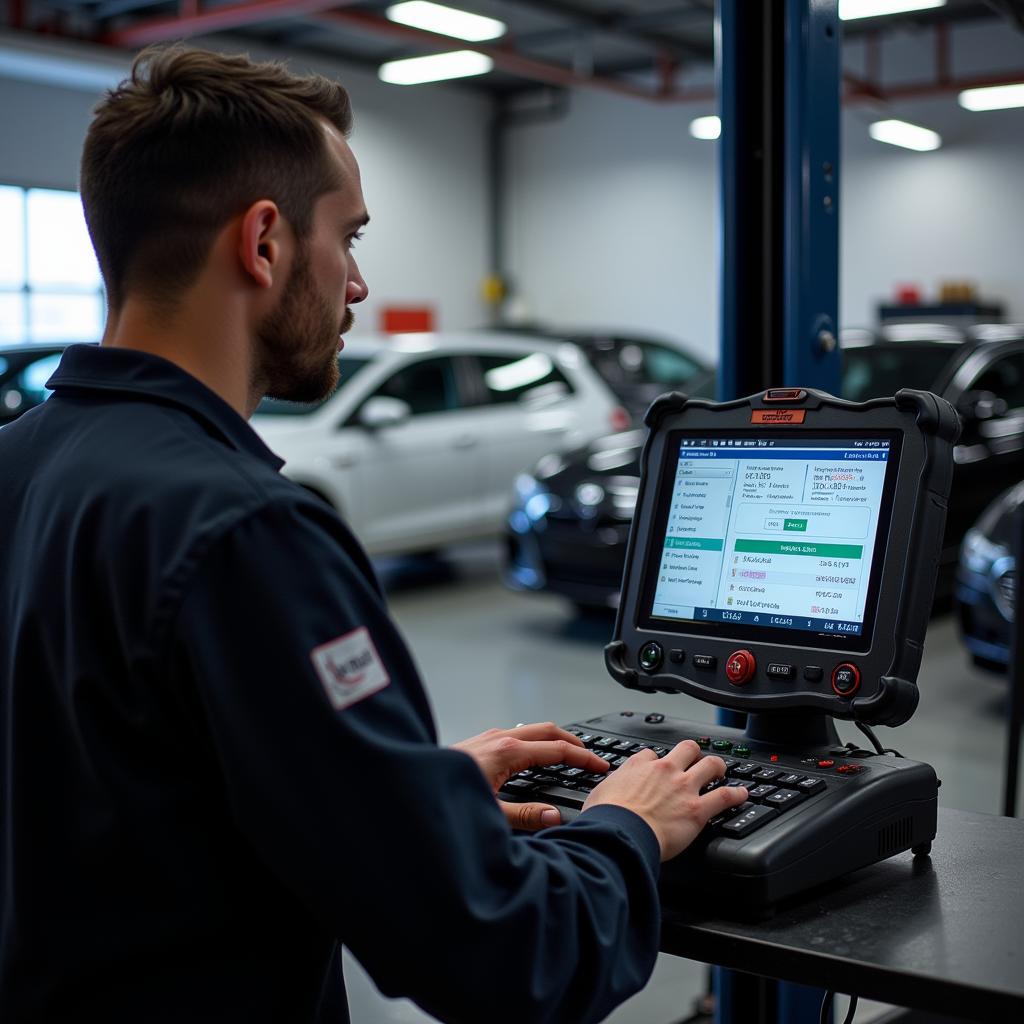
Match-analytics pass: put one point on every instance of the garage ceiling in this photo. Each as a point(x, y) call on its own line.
point(657, 49)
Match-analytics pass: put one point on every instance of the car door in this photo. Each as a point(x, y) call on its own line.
point(989, 395)
point(526, 409)
point(417, 480)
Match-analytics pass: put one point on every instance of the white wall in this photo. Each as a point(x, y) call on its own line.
point(612, 218)
point(422, 154)
point(613, 208)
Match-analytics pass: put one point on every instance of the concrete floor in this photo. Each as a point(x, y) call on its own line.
point(495, 658)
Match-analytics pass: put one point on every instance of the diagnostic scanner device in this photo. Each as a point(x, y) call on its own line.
point(781, 564)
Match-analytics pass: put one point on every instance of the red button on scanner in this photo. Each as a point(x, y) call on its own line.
point(740, 667)
point(825, 764)
point(846, 679)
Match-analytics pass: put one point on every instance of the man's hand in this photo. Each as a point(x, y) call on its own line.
point(501, 753)
point(666, 793)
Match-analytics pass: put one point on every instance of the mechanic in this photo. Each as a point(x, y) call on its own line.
point(218, 759)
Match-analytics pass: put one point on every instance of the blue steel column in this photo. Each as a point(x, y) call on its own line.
point(796, 230)
point(813, 66)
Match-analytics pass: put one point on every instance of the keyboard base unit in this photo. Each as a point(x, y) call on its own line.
point(813, 814)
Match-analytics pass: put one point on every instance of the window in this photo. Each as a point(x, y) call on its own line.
point(50, 285)
point(427, 386)
point(529, 378)
point(1004, 378)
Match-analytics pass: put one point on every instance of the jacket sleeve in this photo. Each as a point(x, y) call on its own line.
point(323, 735)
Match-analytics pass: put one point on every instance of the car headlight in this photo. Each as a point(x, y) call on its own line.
point(978, 553)
point(1004, 586)
point(532, 497)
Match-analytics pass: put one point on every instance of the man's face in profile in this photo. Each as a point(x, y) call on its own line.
point(300, 339)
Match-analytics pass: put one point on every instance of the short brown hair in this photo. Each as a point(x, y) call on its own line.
point(190, 140)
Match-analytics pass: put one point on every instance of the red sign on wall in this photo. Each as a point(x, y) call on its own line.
point(406, 319)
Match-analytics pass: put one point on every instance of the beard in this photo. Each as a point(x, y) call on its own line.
point(298, 341)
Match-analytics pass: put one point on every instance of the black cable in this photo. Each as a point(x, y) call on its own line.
point(826, 1009)
point(870, 733)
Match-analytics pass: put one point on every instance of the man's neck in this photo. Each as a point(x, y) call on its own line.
point(203, 340)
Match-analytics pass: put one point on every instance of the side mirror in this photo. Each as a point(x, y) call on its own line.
point(381, 411)
point(980, 405)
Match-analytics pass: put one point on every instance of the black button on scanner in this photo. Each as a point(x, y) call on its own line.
point(705, 661)
point(650, 656)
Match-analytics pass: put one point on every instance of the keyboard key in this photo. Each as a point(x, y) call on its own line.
point(586, 738)
point(593, 777)
point(660, 751)
point(618, 762)
point(750, 817)
point(784, 798)
point(606, 755)
point(584, 787)
point(810, 785)
point(723, 746)
point(545, 780)
point(625, 747)
point(767, 774)
point(759, 793)
point(554, 767)
point(729, 763)
point(571, 773)
point(745, 770)
point(519, 786)
point(605, 742)
point(792, 779)
point(713, 784)
point(734, 783)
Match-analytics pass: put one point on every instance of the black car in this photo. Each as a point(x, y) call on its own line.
point(568, 529)
point(24, 371)
point(986, 582)
point(637, 367)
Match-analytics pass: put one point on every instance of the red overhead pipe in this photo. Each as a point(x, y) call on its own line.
point(922, 90)
point(251, 12)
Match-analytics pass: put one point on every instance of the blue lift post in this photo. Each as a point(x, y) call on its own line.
point(778, 71)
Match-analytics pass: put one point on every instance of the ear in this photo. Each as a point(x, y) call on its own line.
point(261, 242)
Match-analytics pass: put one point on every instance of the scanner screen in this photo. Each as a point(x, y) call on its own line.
point(772, 537)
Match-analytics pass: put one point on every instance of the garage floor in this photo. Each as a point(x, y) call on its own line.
point(495, 658)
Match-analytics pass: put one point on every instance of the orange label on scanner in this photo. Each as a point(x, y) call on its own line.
point(777, 415)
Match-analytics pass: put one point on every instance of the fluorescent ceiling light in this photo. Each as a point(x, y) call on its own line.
point(446, 20)
point(850, 9)
point(996, 97)
point(709, 127)
point(436, 68)
point(64, 70)
point(902, 133)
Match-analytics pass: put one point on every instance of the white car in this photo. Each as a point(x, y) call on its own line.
point(419, 446)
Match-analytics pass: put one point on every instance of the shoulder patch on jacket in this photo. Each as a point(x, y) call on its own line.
point(349, 668)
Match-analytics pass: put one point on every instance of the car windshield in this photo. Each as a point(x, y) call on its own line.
point(349, 366)
point(877, 371)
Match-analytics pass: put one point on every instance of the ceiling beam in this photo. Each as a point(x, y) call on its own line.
point(617, 24)
point(216, 19)
point(504, 57)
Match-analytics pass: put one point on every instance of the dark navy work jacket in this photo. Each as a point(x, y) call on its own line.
point(217, 760)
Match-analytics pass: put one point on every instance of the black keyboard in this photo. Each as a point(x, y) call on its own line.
point(811, 816)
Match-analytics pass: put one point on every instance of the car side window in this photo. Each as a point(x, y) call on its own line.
point(665, 365)
point(427, 386)
point(1005, 379)
point(530, 377)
